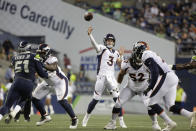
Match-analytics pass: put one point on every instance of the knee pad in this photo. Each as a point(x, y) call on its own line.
point(175, 109)
point(156, 109)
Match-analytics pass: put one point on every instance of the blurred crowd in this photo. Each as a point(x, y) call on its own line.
point(173, 20)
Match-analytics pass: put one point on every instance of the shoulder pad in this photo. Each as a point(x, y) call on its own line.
point(37, 57)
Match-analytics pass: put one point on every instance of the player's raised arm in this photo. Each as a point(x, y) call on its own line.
point(94, 43)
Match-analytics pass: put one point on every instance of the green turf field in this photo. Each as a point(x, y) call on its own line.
point(96, 123)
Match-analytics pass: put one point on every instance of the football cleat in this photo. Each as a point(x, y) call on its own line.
point(27, 119)
point(155, 126)
point(74, 123)
point(8, 119)
point(85, 120)
point(43, 120)
point(170, 126)
point(122, 123)
point(111, 125)
point(193, 120)
point(16, 120)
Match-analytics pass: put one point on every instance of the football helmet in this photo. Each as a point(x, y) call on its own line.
point(107, 37)
point(24, 46)
point(139, 48)
point(44, 51)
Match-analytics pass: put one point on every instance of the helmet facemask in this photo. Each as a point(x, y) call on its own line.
point(44, 51)
point(136, 62)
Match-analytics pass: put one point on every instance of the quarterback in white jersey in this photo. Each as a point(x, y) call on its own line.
point(107, 58)
point(163, 84)
point(138, 81)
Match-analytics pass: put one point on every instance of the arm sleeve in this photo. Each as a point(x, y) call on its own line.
point(40, 70)
point(154, 71)
point(94, 43)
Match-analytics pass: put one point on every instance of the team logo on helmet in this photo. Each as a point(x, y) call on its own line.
point(24, 46)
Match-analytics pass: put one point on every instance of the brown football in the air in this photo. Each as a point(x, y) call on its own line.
point(88, 16)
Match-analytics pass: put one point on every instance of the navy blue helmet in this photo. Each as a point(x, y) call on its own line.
point(24, 46)
point(107, 37)
point(139, 48)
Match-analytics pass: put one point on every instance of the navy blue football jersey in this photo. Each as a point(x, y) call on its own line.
point(26, 64)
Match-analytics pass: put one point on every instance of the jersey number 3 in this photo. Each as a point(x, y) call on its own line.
point(22, 66)
point(110, 62)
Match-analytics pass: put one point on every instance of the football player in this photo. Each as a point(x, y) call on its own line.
point(163, 84)
point(107, 58)
point(25, 66)
point(57, 81)
point(138, 81)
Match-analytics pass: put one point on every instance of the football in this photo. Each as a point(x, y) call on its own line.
point(88, 16)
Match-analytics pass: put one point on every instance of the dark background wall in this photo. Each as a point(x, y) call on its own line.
point(188, 83)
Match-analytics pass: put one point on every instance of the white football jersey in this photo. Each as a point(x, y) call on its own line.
point(54, 76)
point(106, 61)
point(138, 80)
point(161, 63)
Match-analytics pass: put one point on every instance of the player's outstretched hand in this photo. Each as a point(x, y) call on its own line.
point(121, 50)
point(90, 29)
